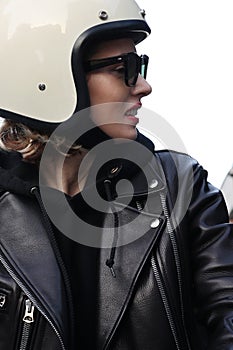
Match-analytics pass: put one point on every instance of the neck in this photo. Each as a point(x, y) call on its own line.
point(73, 177)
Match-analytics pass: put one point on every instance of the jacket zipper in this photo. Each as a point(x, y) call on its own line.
point(177, 260)
point(165, 302)
point(139, 205)
point(158, 278)
point(28, 294)
point(28, 320)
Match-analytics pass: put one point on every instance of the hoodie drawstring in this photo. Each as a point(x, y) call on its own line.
point(110, 261)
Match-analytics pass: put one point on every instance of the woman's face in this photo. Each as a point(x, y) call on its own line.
point(107, 86)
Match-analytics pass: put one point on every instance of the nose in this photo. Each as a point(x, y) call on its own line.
point(142, 87)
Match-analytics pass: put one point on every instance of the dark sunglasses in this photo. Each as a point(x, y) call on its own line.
point(133, 65)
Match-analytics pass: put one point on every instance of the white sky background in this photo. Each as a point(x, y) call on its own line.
point(191, 72)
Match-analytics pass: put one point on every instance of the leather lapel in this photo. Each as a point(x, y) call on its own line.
point(115, 293)
point(26, 249)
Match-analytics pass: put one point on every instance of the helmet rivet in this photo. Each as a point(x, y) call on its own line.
point(103, 15)
point(143, 13)
point(42, 87)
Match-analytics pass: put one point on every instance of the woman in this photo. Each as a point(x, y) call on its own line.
point(146, 264)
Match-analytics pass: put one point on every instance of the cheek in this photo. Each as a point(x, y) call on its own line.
point(98, 89)
point(108, 114)
point(106, 111)
point(101, 89)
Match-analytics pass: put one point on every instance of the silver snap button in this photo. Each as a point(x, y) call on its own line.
point(33, 189)
point(154, 183)
point(154, 223)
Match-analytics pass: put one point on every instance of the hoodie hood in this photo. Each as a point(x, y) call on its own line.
point(16, 176)
point(19, 177)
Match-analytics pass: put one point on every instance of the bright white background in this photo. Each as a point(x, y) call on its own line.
point(191, 72)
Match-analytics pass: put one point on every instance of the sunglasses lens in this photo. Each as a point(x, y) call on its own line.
point(134, 66)
point(132, 69)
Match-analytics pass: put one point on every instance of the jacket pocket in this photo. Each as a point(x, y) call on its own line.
point(9, 314)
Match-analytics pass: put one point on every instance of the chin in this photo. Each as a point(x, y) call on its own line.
point(123, 132)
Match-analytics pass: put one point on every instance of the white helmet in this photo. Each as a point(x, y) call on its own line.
point(42, 42)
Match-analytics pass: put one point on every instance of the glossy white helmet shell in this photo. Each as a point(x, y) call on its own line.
point(37, 43)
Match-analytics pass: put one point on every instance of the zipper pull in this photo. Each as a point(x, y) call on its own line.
point(29, 312)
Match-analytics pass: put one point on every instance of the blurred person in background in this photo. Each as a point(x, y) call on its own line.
point(227, 189)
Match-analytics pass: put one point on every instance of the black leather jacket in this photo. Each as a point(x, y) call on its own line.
point(174, 284)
